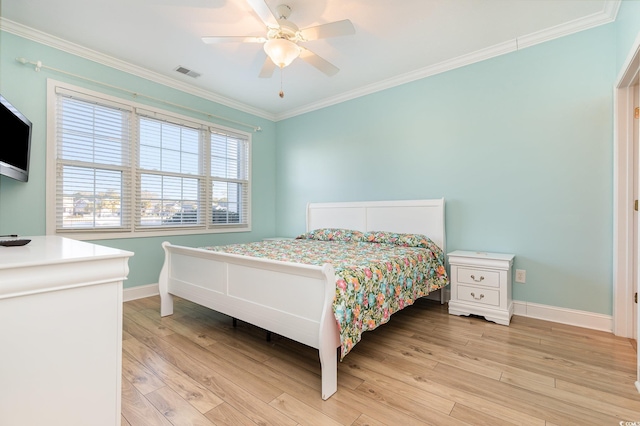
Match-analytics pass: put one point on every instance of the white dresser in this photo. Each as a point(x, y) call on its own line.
point(61, 333)
point(481, 285)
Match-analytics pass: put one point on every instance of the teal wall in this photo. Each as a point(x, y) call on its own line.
point(520, 146)
point(22, 205)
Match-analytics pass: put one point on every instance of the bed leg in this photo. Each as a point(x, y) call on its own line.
point(166, 299)
point(268, 336)
point(329, 371)
point(235, 323)
point(166, 304)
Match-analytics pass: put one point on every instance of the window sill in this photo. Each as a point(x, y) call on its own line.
point(106, 235)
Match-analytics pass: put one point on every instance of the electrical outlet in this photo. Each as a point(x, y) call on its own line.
point(521, 276)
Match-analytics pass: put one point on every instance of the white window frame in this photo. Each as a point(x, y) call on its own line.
point(133, 230)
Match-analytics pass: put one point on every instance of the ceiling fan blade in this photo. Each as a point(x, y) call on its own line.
point(332, 29)
point(233, 39)
point(267, 68)
point(263, 11)
point(315, 60)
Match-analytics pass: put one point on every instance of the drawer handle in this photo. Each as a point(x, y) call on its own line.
point(477, 298)
point(474, 278)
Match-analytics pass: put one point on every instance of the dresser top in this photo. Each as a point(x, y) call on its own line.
point(45, 250)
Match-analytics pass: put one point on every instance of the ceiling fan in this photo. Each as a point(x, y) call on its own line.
point(281, 42)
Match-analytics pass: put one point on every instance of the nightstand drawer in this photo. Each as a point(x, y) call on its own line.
point(479, 295)
point(479, 277)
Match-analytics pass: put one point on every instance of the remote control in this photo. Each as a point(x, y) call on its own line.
point(14, 243)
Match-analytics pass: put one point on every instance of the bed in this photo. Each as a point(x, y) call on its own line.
point(294, 300)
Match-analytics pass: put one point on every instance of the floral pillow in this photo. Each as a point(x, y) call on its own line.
point(406, 240)
point(382, 237)
point(332, 234)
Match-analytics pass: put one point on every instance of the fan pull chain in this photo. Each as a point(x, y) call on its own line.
point(281, 94)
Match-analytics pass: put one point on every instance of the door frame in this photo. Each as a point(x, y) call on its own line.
point(624, 197)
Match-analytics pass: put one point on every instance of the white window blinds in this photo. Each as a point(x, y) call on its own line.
point(229, 179)
point(93, 165)
point(121, 168)
point(172, 186)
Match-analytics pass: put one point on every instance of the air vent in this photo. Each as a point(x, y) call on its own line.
point(187, 71)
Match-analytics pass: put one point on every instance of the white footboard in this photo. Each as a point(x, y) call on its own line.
point(289, 299)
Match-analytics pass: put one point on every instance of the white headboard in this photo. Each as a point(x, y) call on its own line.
point(409, 216)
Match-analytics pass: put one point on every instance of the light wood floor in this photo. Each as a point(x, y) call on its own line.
point(423, 367)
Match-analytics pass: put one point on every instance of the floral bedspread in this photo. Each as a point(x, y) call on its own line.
point(377, 273)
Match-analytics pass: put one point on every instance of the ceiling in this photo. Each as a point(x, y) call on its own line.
point(395, 42)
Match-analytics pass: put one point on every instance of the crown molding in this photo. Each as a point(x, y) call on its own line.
point(606, 16)
point(100, 58)
point(611, 8)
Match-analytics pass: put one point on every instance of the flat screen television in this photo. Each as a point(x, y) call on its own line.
point(16, 142)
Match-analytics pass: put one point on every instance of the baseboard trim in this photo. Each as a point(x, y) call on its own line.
point(564, 316)
point(140, 292)
point(526, 309)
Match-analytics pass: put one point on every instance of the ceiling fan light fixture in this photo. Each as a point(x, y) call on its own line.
point(281, 51)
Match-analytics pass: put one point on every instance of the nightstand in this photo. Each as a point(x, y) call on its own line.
point(481, 285)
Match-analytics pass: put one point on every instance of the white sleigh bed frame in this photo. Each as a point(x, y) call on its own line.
point(290, 299)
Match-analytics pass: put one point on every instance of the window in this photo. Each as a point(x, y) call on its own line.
point(171, 169)
point(123, 169)
point(229, 176)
